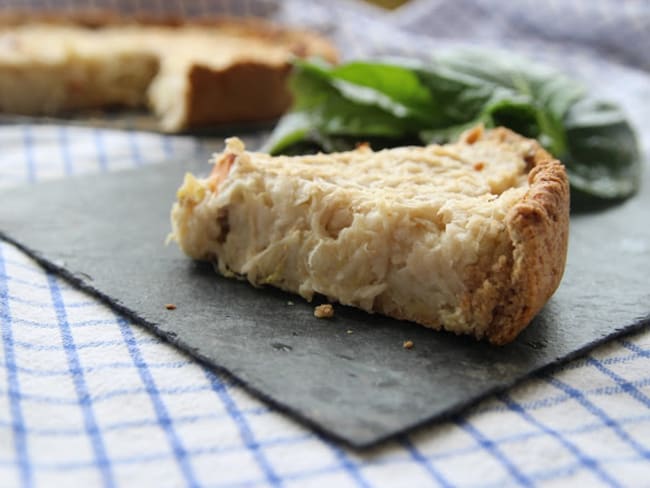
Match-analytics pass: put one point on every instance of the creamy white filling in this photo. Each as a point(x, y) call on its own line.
point(396, 231)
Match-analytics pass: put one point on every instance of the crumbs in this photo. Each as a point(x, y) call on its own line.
point(324, 311)
point(408, 345)
point(170, 306)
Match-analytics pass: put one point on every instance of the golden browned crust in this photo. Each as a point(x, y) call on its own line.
point(539, 229)
point(506, 290)
point(325, 311)
point(262, 87)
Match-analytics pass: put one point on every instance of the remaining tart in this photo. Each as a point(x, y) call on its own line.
point(190, 74)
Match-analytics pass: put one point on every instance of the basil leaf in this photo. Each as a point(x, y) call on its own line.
point(364, 85)
point(334, 106)
point(292, 129)
point(602, 157)
point(506, 78)
point(459, 98)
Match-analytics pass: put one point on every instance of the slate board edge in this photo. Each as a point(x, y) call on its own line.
point(447, 414)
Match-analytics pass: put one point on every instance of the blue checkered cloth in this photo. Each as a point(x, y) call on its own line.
point(89, 399)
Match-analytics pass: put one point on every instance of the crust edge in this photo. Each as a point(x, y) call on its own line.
point(539, 230)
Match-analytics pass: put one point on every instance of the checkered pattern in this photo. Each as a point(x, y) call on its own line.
point(89, 399)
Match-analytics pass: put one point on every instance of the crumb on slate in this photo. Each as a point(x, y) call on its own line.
point(408, 345)
point(170, 306)
point(324, 311)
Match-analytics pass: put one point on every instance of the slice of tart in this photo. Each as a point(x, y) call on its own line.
point(469, 237)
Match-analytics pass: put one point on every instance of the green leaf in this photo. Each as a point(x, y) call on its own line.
point(602, 157)
point(514, 79)
point(310, 85)
point(364, 85)
point(460, 98)
point(292, 129)
point(396, 89)
point(339, 116)
point(339, 107)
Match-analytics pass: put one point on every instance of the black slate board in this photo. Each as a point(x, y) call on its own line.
point(106, 234)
